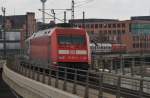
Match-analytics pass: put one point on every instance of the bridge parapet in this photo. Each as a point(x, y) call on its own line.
point(92, 85)
point(29, 88)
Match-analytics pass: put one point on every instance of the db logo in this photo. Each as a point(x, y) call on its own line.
point(72, 52)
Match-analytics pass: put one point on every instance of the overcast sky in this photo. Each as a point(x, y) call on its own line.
point(116, 9)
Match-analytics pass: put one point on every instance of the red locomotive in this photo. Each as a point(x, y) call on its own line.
point(60, 46)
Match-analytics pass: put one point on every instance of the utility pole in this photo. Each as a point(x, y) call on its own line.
point(53, 12)
point(83, 24)
point(64, 16)
point(4, 42)
point(72, 8)
point(72, 13)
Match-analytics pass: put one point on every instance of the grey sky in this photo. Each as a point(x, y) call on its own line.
point(118, 9)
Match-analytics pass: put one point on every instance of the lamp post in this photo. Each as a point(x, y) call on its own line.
point(4, 42)
point(43, 10)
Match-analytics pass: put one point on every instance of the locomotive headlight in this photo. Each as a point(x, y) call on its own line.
point(54, 62)
point(61, 57)
point(82, 52)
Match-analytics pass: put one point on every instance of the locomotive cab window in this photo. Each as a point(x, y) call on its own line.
point(71, 39)
point(77, 39)
point(64, 40)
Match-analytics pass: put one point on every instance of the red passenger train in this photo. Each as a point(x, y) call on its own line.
point(60, 46)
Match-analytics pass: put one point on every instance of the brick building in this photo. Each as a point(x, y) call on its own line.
point(25, 24)
point(18, 28)
point(134, 33)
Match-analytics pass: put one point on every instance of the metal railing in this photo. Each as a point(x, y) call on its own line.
point(85, 83)
point(124, 66)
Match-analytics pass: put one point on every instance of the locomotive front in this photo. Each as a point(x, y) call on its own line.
point(73, 48)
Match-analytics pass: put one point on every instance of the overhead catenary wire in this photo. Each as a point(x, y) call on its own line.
point(51, 15)
point(80, 4)
point(83, 3)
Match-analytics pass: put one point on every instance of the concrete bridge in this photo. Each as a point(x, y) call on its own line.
point(29, 88)
point(32, 82)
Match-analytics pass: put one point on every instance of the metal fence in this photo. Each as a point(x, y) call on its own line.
point(124, 66)
point(85, 83)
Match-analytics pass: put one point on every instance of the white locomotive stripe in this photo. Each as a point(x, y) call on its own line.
point(63, 51)
point(82, 52)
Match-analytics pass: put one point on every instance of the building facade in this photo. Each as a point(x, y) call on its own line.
point(134, 33)
point(18, 28)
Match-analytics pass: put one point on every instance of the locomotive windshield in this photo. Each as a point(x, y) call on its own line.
point(71, 39)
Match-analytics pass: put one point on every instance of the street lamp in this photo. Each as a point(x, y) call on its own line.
point(3, 26)
point(43, 10)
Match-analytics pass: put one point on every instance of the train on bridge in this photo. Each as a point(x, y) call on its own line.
point(60, 46)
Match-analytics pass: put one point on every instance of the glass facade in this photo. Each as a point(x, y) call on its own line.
point(140, 28)
point(13, 38)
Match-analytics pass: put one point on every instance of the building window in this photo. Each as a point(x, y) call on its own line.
point(134, 45)
point(83, 25)
point(87, 26)
point(100, 25)
point(114, 25)
point(109, 25)
point(96, 25)
point(123, 25)
point(137, 45)
point(118, 25)
point(75, 25)
point(134, 38)
point(118, 32)
point(92, 25)
point(105, 25)
point(79, 26)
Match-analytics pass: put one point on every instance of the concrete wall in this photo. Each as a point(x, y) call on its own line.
point(2, 62)
point(29, 88)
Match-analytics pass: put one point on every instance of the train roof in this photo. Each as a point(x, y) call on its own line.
point(48, 32)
